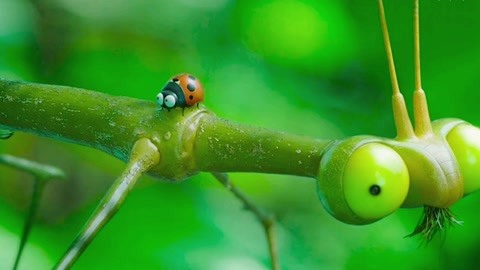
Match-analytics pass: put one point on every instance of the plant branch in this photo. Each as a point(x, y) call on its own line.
point(233, 147)
point(42, 174)
point(196, 141)
point(144, 156)
point(39, 171)
point(267, 220)
point(38, 187)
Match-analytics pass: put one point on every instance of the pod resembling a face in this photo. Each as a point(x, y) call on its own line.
point(361, 181)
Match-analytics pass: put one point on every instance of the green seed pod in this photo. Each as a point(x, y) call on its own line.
point(362, 180)
point(434, 174)
point(464, 140)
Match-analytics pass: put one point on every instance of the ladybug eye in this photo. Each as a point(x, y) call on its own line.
point(160, 99)
point(170, 101)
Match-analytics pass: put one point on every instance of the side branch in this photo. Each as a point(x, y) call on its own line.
point(42, 174)
point(39, 171)
point(267, 221)
point(144, 156)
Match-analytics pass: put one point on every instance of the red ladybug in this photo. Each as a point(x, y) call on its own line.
point(182, 91)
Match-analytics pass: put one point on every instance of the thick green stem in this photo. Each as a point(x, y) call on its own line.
point(71, 114)
point(196, 141)
point(232, 147)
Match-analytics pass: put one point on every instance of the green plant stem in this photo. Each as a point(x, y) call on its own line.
point(75, 115)
point(196, 141)
point(233, 147)
point(38, 187)
point(42, 173)
point(267, 220)
point(39, 171)
point(144, 156)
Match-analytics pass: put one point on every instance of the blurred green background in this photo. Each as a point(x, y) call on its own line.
point(307, 67)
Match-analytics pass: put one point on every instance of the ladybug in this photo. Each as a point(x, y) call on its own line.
point(182, 91)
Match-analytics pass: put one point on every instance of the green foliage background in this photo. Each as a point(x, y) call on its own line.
point(307, 67)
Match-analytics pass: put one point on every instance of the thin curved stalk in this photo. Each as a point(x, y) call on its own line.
point(267, 220)
point(423, 125)
point(400, 113)
point(38, 187)
point(39, 171)
point(42, 174)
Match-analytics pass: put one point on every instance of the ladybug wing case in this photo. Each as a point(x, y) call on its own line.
point(192, 89)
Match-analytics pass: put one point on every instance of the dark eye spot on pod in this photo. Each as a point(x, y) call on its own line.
point(191, 87)
point(375, 190)
point(190, 97)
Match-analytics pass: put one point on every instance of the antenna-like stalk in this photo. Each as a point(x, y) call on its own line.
point(400, 113)
point(423, 126)
point(416, 45)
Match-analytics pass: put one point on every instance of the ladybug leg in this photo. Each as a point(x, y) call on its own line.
point(183, 111)
point(197, 105)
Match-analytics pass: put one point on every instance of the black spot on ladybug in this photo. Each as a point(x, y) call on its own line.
point(191, 77)
point(191, 87)
point(190, 97)
point(175, 79)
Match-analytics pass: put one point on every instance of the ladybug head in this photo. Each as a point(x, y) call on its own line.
point(167, 99)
